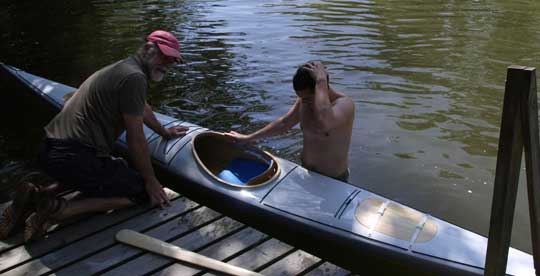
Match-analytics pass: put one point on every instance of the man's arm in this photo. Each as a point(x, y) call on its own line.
point(278, 126)
point(328, 116)
point(138, 149)
point(152, 122)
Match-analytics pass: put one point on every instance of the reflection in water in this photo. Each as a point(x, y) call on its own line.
point(427, 79)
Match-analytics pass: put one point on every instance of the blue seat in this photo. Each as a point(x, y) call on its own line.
point(241, 170)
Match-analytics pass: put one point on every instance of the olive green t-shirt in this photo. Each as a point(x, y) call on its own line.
point(93, 115)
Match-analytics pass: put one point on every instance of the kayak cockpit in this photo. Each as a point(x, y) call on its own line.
point(236, 165)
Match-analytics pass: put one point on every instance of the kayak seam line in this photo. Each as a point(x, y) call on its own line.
point(271, 189)
point(168, 162)
point(346, 203)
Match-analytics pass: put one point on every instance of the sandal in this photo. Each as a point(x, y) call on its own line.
point(17, 212)
point(39, 222)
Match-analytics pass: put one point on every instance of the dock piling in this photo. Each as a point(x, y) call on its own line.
point(519, 131)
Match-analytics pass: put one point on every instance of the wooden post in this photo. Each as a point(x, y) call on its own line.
point(519, 128)
point(529, 118)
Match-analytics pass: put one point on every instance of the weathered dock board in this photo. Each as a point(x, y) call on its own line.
point(86, 246)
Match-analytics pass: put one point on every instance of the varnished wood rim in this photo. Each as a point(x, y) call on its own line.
point(275, 165)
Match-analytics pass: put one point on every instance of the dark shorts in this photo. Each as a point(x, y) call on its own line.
point(77, 166)
point(342, 177)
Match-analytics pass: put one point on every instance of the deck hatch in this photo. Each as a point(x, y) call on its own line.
point(394, 220)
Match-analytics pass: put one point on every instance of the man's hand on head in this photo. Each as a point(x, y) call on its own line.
point(316, 70)
point(174, 131)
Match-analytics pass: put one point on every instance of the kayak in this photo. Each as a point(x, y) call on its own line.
point(344, 224)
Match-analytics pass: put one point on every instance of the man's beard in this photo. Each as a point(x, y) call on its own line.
point(156, 75)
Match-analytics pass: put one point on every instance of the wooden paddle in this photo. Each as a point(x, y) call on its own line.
point(142, 241)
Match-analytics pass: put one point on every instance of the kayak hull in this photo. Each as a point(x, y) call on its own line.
point(349, 226)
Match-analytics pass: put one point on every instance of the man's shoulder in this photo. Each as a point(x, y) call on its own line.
point(129, 68)
point(133, 77)
point(136, 77)
point(126, 78)
point(343, 99)
point(345, 105)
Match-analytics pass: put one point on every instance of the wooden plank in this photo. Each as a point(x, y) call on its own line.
point(97, 242)
point(260, 256)
point(506, 174)
point(529, 119)
point(328, 269)
point(179, 254)
point(71, 233)
point(221, 251)
point(295, 263)
point(146, 262)
point(119, 253)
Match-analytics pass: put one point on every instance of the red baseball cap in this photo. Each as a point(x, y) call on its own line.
point(167, 43)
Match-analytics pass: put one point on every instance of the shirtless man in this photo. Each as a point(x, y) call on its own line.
point(326, 118)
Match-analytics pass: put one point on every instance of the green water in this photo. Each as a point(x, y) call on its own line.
point(427, 78)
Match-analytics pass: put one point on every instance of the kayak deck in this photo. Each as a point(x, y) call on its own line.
point(87, 246)
point(329, 218)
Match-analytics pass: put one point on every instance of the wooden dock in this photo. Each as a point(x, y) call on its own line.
point(86, 246)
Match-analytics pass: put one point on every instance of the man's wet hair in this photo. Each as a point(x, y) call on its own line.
point(303, 80)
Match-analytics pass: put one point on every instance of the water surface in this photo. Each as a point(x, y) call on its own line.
point(427, 79)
